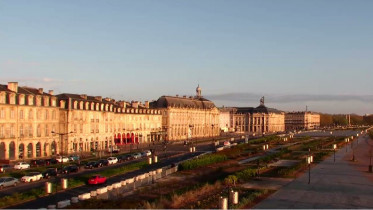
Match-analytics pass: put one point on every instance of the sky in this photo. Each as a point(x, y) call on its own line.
point(296, 53)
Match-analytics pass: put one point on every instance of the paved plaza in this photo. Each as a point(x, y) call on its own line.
point(334, 185)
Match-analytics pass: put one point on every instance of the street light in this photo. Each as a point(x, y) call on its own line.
point(334, 147)
point(309, 161)
point(61, 151)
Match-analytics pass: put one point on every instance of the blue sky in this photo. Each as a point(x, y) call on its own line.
point(295, 53)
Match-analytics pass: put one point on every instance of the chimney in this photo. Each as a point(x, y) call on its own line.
point(122, 104)
point(51, 92)
point(40, 90)
point(135, 104)
point(98, 98)
point(147, 104)
point(13, 86)
point(84, 96)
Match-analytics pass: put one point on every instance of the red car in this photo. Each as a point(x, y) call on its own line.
point(97, 179)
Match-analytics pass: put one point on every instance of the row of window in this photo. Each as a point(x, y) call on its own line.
point(6, 113)
point(26, 130)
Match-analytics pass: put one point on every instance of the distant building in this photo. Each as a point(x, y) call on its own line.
point(226, 119)
point(258, 120)
point(188, 117)
point(302, 120)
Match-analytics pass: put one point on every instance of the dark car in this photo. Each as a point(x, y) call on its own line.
point(51, 161)
point(49, 172)
point(70, 169)
point(93, 164)
point(123, 158)
point(5, 168)
point(104, 162)
point(36, 163)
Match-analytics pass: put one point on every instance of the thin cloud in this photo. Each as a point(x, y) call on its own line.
point(244, 97)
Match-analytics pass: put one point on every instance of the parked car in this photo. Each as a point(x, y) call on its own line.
point(32, 176)
point(51, 161)
point(112, 160)
point(113, 150)
point(146, 153)
point(21, 165)
point(36, 163)
point(104, 162)
point(62, 159)
point(8, 181)
point(74, 157)
point(124, 157)
point(5, 168)
point(70, 169)
point(49, 172)
point(97, 179)
point(136, 155)
point(93, 164)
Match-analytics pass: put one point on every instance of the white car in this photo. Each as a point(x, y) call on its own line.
point(112, 160)
point(32, 176)
point(62, 159)
point(21, 165)
point(146, 153)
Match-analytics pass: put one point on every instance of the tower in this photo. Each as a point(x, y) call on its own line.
point(198, 92)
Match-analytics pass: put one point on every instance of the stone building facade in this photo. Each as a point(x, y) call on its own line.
point(259, 120)
point(36, 124)
point(302, 120)
point(188, 117)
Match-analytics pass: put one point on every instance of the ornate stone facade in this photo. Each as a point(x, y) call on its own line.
point(188, 117)
point(36, 124)
point(302, 120)
point(258, 120)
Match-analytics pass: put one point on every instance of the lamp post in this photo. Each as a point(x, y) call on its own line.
point(309, 161)
point(61, 151)
point(212, 133)
point(334, 147)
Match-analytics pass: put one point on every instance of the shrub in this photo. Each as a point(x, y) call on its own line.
point(230, 180)
point(202, 161)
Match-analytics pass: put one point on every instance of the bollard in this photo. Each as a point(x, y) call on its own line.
point(64, 184)
point(48, 187)
point(223, 203)
point(93, 193)
point(149, 160)
point(155, 159)
point(233, 197)
point(74, 200)
point(52, 207)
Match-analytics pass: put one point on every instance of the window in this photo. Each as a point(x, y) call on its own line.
point(2, 113)
point(2, 131)
point(12, 131)
point(53, 114)
point(11, 114)
point(46, 130)
point(30, 115)
point(46, 114)
point(38, 131)
point(21, 130)
point(21, 114)
point(30, 133)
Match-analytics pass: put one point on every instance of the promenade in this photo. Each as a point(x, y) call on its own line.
point(334, 185)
